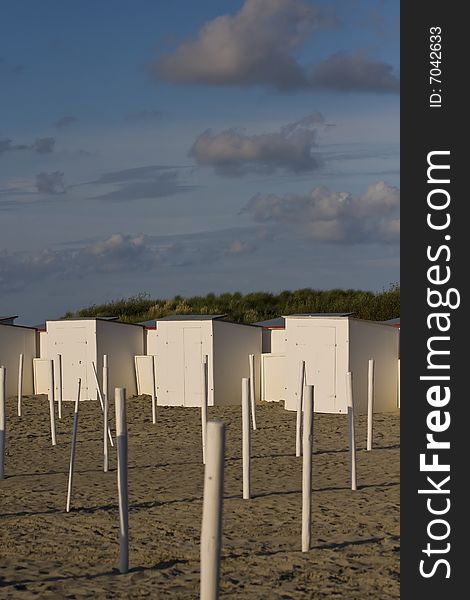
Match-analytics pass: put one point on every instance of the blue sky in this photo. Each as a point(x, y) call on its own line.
point(183, 147)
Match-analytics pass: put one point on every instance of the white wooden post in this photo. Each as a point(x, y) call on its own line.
point(246, 437)
point(50, 395)
point(398, 383)
point(154, 394)
point(211, 531)
point(72, 449)
point(20, 384)
point(307, 451)
point(121, 435)
point(3, 395)
point(204, 403)
point(298, 424)
point(370, 403)
point(105, 413)
point(59, 384)
point(252, 389)
point(351, 432)
point(100, 396)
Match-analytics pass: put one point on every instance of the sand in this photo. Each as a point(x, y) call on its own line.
point(47, 553)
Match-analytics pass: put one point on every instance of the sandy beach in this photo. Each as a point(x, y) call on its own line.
point(47, 553)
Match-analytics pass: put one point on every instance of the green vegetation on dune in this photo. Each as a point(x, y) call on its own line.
point(256, 306)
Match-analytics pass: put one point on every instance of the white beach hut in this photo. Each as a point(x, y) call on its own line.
point(81, 342)
point(331, 345)
point(181, 342)
point(16, 340)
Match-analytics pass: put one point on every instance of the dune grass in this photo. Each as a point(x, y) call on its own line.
point(253, 307)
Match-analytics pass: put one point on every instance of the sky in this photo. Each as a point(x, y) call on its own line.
point(176, 147)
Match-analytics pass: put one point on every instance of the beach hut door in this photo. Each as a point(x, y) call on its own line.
point(192, 366)
point(318, 349)
point(72, 345)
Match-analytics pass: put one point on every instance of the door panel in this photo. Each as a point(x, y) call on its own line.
point(170, 373)
point(192, 366)
point(317, 346)
point(71, 344)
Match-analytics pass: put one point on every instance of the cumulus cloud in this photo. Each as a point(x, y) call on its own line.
point(233, 152)
point(121, 254)
point(258, 45)
point(50, 183)
point(65, 121)
point(345, 72)
point(140, 183)
point(254, 46)
point(43, 145)
point(327, 216)
point(118, 252)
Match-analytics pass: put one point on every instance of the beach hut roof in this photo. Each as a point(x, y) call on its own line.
point(150, 324)
point(8, 320)
point(192, 318)
point(278, 322)
point(395, 322)
point(331, 314)
point(108, 319)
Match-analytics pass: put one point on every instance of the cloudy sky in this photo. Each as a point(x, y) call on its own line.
point(179, 147)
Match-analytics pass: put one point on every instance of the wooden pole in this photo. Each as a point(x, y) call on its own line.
point(154, 394)
point(351, 431)
point(74, 444)
point(3, 394)
point(370, 404)
point(298, 425)
point(307, 451)
point(50, 394)
point(20, 384)
point(121, 435)
point(97, 383)
point(204, 403)
point(105, 413)
point(252, 390)
point(398, 383)
point(59, 384)
point(246, 438)
point(211, 531)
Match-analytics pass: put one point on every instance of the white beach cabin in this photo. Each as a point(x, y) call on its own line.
point(83, 341)
point(181, 342)
point(332, 345)
point(16, 340)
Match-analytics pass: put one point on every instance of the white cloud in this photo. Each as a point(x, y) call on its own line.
point(258, 46)
point(344, 72)
point(233, 152)
point(326, 216)
point(115, 254)
point(254, 46)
